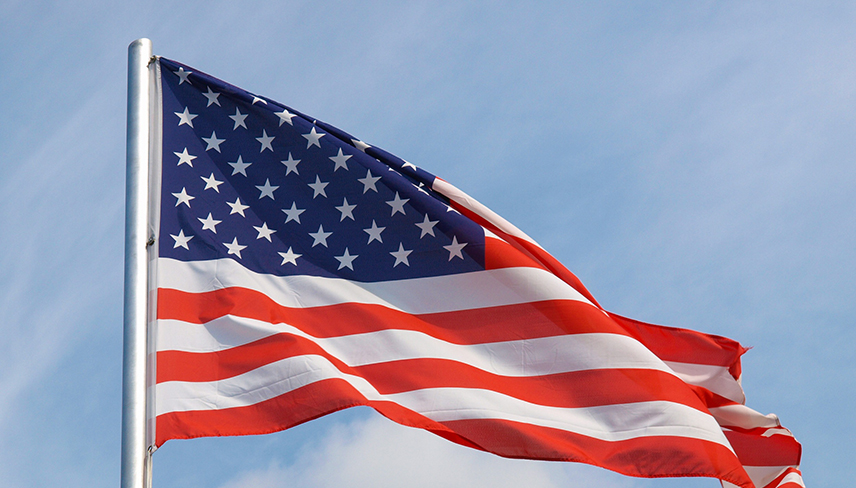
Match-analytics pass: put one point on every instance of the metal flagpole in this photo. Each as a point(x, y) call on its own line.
point(134, 454)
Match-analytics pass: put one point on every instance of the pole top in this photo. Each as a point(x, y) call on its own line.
point(142, 42)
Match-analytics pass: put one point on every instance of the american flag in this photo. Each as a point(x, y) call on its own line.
point(300, 271)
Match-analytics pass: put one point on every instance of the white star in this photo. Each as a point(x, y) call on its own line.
point(320, 237)
point(290, 165)
point(264, 231)
point(340, 160)
point(369, 181)
point(347, 210)
point(211, 182)
point(265, 140)
point(289, 257)
point(212, 97)
point(237, 208)
point(267, 189)
point(318, 187)
point(397, 204)
point(374, 232)
point(450, 209)
point(346, 260)
point(257, 99)
point(182, 75)
point(209, 223)
point(183, 197)
point(239, 119)
point(313, 138)
point(181, 240)
point(239, 166)
point(454, 248)
point(234, 247)
point(362, 146)
point(293, 213)
point(185, 117)
point(401, 255)
point(185, 158)
point(427, 226)
point(284, 117)
point(406, 164)
point(213, 142)
point(421, 188)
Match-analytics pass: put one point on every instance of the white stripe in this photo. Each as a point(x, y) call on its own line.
point(743, 417)
point(777, 431)
point(607, 422)
point(764, 475)
point(448, 293)
point(715, 378)
point(529, 357)
point(792, 478)
point(452, 192)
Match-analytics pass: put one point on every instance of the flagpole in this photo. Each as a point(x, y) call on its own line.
point(134, 455)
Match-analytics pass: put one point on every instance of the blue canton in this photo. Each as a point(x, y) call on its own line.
point(249, 179)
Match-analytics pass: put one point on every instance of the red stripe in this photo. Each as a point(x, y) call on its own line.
point(280, 413)
point(529, 252)
point(684, 345)
point(500, 254)
point(573, 389)
point(645, 457)
point(492, 324)
point(709, 398)
point(753, 449)
point(775, 482)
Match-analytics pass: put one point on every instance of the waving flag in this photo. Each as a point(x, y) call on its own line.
point(300, 271)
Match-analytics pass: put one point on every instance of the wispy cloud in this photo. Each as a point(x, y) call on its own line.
point(62, 235)
point(692, 163)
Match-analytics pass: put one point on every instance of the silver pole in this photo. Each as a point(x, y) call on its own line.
point(136, 283)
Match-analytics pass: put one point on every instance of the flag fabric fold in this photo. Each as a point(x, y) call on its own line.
point(299, 271)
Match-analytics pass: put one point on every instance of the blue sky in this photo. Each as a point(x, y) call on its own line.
point(692, 163)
